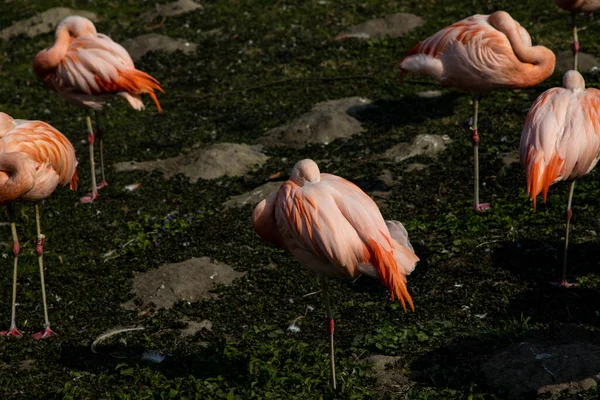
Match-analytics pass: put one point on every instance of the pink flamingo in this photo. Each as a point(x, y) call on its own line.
point(87, 68)
point(34, 159)
point(561, 141)
point(334, 229)
point(575, 7)
point(480, 54)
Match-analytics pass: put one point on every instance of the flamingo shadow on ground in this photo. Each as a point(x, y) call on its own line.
point(406, 110)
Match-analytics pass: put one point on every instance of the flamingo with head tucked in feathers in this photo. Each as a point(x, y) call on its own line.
point(88, 68)
point(480, 54)
point(334, 229)
point(561, 141)
point(34, 159)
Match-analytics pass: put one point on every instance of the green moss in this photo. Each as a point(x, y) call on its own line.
point(481, 282)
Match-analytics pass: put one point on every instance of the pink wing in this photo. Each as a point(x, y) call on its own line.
point(47, 147)
point(96, 65)
point(333, 228)
point(263, 221)
point(470, 54)
point(561, 138)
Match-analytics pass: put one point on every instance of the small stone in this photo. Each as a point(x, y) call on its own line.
point(44, 22)
point(326, 122)
point(141, 45)
point(216, 161)
point(188, 280)
point(428, 145)
point(171, 9)
point(254, 196)
point(194, 327)
point(429, 94)
point(394, 25)
point(415, 167)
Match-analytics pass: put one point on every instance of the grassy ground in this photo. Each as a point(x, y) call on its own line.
point(260, 64)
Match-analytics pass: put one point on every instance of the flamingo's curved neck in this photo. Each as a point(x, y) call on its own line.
point(53, 55)
point(540, 57)
point(21, 171)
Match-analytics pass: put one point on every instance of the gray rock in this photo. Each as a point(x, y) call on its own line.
point(585, 62)
point(190, 280)
point(326, 122)
point(429, 145)
point(216, 161)
point(141, 45)
point(394, 25)
point(171, 9)
point(44, 22)
point(429, 94)
point(415, 167)
point(254, 196)
point(194, 327)
point(544, 368)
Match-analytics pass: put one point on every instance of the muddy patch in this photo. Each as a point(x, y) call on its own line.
point(216, 161)
point(254, 196)
point(44, 22)
point(191, 280)
point(326, 122)
point(394, 25)
point(527, 369)
point(427, 145)
point(194, 327)
point(171, 9)
point(140, 46)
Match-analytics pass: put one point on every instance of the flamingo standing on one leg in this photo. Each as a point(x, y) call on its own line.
point(87, 68)
point(34, 159)
point(575, 7)
point(480, 54)
point(561, 141)
point(334, 229)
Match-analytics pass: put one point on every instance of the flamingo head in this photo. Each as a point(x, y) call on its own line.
point(305, 171)
point(573, 80)
point(76, 26)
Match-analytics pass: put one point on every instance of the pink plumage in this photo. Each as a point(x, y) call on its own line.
point(561, 136)
point(481, 53)
point(45, 160)
point(88, 68)
point(334, 229)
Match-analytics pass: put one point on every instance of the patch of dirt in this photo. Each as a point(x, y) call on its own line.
point(44, 22)
point(138, 47)
point(544, 368)
point(326, 122)
point(585, 62)
point(428, 145)
point(216, 161)
point(254, 196)
point(194, 327)
point(190, 280)
point(383, 371)
point(394, 25)
point(171, 9)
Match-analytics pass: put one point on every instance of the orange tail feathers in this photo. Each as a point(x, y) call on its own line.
point(540, 177)
point(389, 273)
point(74, 180)
point(136, 81)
